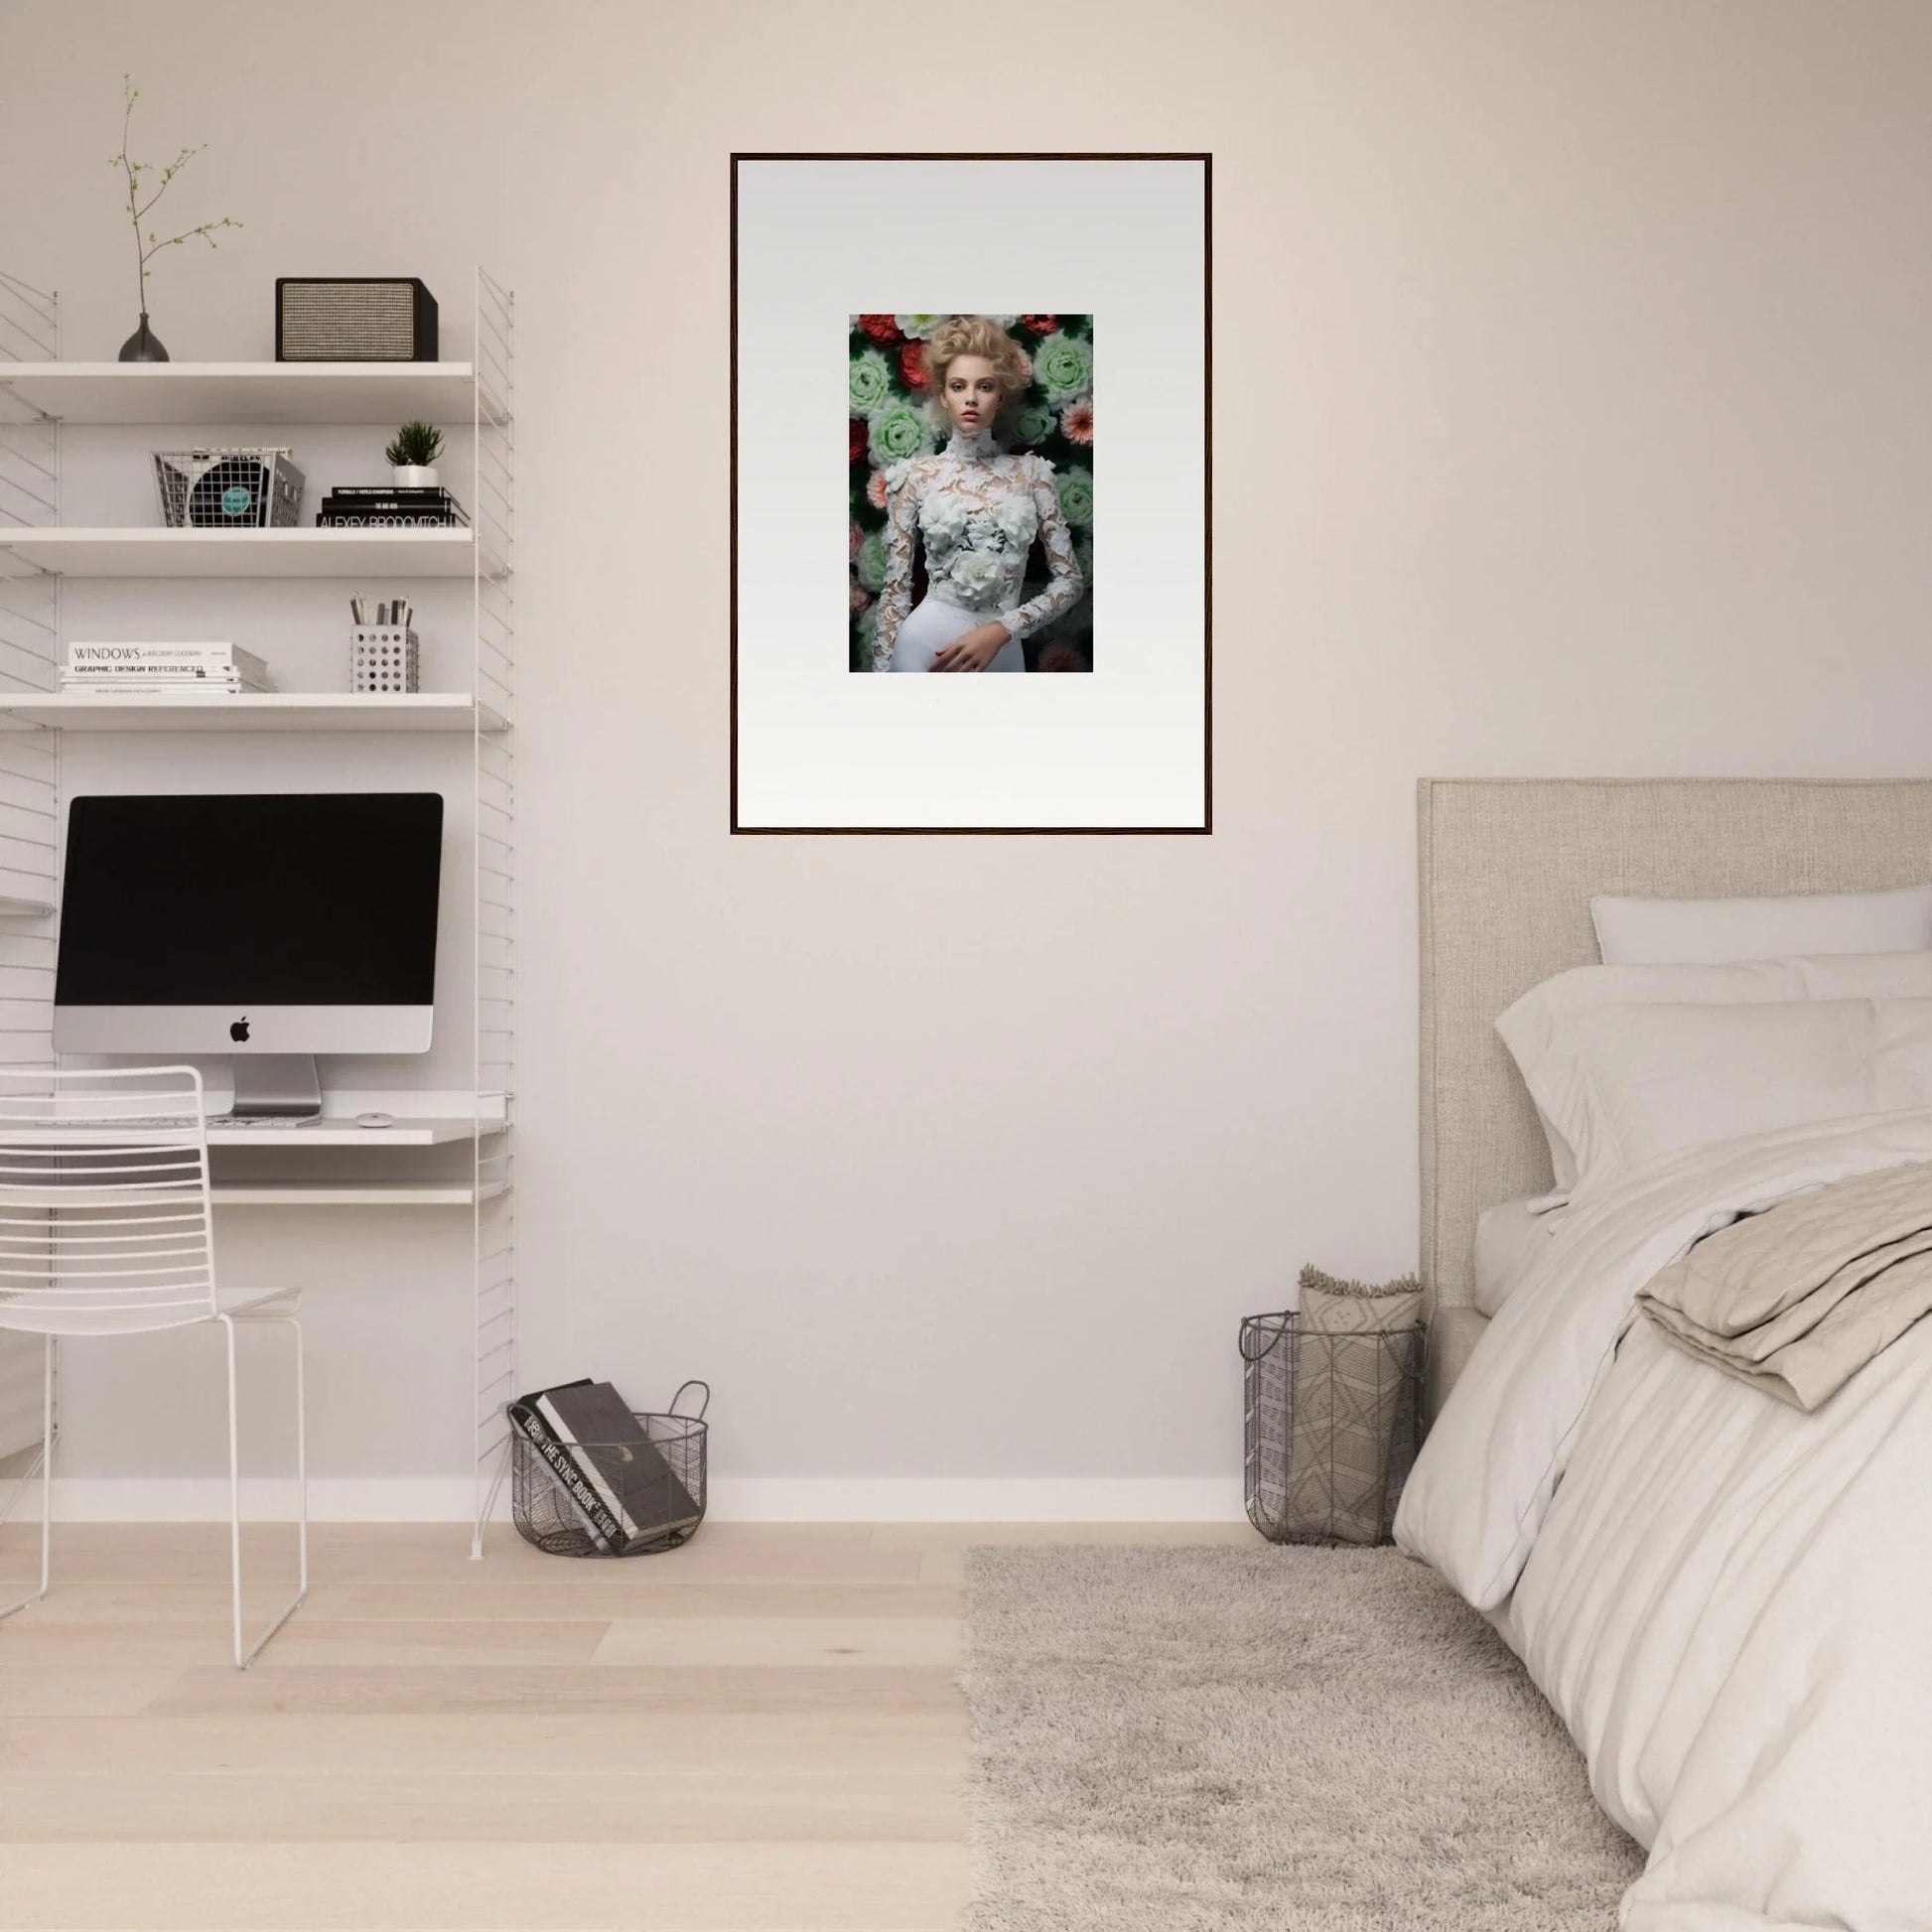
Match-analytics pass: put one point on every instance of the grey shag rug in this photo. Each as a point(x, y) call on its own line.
point(1179, 1739)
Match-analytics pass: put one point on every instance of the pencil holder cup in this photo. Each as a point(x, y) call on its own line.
point(382, 658)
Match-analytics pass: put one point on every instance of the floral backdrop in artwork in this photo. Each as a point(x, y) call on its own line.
point(892, 414)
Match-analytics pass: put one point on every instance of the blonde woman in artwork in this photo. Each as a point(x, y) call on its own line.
point(979, 509)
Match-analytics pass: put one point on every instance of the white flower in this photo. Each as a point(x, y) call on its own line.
point(977, 576)
point(918, 328)
point(943, 516)
point(1016, 520)
point(1005, 322)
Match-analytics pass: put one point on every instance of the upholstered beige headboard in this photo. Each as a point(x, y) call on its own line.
point(1508, 869)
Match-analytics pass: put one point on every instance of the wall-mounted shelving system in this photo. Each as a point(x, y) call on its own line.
point(39, 394)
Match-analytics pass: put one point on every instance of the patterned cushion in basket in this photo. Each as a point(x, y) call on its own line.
point(1347, 1384)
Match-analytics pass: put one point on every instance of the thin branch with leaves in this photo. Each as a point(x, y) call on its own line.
point(146, 249)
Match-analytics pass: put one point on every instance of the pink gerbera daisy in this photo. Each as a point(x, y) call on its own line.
point(876, 490)
point(1077, 420)
point(855, 537)
point(860, 599)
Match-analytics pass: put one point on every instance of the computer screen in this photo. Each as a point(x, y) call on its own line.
point(275, 922)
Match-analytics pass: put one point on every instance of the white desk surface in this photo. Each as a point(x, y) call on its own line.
point(328, 1131)
point(332, 1131)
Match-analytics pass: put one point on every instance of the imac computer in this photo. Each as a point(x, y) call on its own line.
point(261, 928)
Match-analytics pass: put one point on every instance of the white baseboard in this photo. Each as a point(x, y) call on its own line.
point(734, 1499)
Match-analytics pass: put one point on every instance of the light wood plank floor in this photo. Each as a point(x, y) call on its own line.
point(758, 1733)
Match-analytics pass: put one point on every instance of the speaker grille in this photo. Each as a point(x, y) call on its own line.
point(348, 322)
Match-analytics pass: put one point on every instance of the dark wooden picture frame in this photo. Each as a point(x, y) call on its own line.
point(1208, 534)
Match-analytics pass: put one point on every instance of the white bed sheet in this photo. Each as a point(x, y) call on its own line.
point(1726, 1600)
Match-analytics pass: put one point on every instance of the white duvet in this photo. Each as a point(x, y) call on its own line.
point(1729, 1602)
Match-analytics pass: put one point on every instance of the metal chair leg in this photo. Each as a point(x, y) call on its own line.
point(243, 1657)
point(44, 1462)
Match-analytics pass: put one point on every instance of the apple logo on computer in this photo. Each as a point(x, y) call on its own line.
point(239, 1031)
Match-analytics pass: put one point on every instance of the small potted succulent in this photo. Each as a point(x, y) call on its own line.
point(412, 455)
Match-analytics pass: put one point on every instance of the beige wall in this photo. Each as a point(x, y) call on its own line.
point(1574, 387)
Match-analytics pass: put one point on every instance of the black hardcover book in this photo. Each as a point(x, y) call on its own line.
point(379, 520)
point(444, 509)
point(627, 1469)
point(526, 1417)
point(424, 491)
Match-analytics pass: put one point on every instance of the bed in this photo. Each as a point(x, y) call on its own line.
point(1724, 1599)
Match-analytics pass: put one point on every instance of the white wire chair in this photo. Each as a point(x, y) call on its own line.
point(107, 1229)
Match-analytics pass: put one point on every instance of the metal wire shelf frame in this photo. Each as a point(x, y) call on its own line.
point(494, 929)
point(30, 809)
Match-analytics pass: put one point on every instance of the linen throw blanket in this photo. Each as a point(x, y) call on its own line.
point(1798, 1299)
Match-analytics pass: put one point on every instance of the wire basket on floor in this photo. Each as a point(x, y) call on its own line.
point(548, 1515)
point(1331, 1428)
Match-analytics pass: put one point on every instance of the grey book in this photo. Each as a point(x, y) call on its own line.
point(628, 1471)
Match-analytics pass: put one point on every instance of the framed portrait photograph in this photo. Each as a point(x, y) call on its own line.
point(997, 618)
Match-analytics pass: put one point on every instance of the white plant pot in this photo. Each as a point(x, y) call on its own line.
point(414, 475)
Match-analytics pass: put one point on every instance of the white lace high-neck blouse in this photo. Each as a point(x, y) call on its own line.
point(979, 508)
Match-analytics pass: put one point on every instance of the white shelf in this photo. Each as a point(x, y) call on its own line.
point(300, 552)
point(24, 909)
point(244, 392)
point(349, 1194)
point(266, 711)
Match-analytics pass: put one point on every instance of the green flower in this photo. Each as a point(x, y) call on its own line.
point(1063, 367)
point(1083, 556)
point(871, 561)
point(1076, 497)
point(865, 630)
point(869, 382)
point(1024, 425)
point(899, 430)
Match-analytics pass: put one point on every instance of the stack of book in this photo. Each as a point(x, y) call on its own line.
point(616, 1478)
point(387, 506)
point(119, 668)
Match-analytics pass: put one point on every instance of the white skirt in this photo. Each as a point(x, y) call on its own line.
point(930, 626)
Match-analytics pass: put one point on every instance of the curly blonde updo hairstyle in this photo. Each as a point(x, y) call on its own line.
point(961, 335)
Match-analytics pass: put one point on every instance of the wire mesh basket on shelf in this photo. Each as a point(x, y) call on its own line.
point(228, 490)
point(554, 1509)
point(1331, 1431)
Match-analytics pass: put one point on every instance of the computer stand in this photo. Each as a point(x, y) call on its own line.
point(276, 1086)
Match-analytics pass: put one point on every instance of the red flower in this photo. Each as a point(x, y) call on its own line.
point(881, 328)
point(854, 439)
point(1061, 657)
point(911, 366)
point(1040, 325)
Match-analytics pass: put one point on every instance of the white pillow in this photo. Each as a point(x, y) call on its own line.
point(1650, 932)
point(1511, 1238)
point(1531, 1026)
point(1629, 1085)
